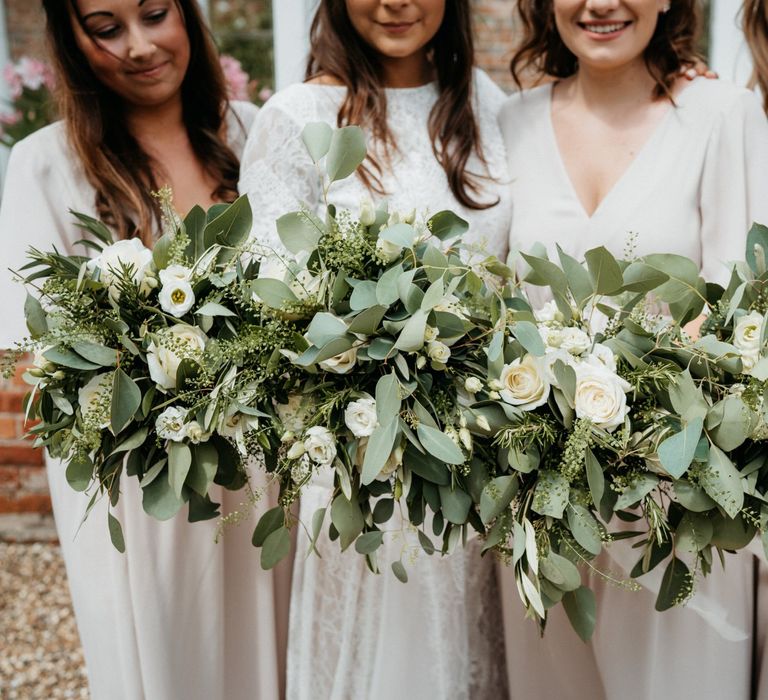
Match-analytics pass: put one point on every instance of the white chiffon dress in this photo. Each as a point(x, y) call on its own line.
point(177, 617)
point(694, 189)
point(353, 634)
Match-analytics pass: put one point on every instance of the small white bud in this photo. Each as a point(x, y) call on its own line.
point(473, 385)
point(483, 423)
point(296, 451)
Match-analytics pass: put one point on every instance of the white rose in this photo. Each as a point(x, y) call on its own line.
point(473, 385)
point(552, 337)
point(94, 399)
point(438, 352)
point(130, 254)
point(367, 212)
point(169, 425)
point(320, 446)
point(430, 334)
point(746, 339)
point(550, 359)
point(387, 250)
point(548, 313)
point(574, 340)
point(176, 297)
point(601, 396)
point(293, 414)
point(181, 341)
point(360, 416)
point(341, 363)
point(524, 384)
point(195, 433)
point(602, 356)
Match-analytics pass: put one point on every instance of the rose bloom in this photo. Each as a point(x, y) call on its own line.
point(341, 363)
point(91, 399)
point(601, 396)
point(438, 352)
point(524, 384)
point(746, 339)
point(131, 254)
point(320, 445)
point(574, 340)
point(163, 361)
point(548, 313)
point(602, 356)
point(360, 416)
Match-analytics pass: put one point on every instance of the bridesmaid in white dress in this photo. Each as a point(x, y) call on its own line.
point(177, 615)
point(619, 145)
point(404, 72)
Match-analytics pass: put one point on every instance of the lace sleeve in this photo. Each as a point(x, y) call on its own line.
point(276, 173)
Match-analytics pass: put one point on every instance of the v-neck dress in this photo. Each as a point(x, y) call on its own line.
point(693, 189)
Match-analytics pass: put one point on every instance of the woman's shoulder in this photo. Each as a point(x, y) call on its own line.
point(526, 107)
point(707, 97)
point(46, 146)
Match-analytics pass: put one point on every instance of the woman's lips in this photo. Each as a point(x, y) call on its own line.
point(603, 30)
point(396, 27)
point(150, 72)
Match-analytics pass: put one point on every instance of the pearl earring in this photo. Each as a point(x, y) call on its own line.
point(665, 9)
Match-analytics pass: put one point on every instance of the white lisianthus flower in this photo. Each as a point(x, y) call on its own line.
point(131, 253)
point(393, 463)
point(548, 313)
point(176, 297)
point(602, 356)
point(175, 273)
point(293, 415)
point(473, 385)
point(367, 212)
point(550, 359)
point(746, 339)
point(387, 250)
point(341, 363)
point(320, 446)
point(601, 396)
point(94, 399)
point(438, 352)
point(175, 344)
point(360, 416)
point(574, 340)
point(169, 425)
point(524, 384)
point(196, 434)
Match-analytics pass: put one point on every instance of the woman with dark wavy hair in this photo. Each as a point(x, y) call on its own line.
point(404, 72)
point(621, 151)
point(143, 105)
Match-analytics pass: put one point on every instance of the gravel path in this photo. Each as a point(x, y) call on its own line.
point(40, 654)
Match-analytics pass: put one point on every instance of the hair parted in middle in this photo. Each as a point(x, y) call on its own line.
point(672, 46)
point(337, 50)
point(755, 22)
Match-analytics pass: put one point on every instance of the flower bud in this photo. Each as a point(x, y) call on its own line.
point(483, 423)
point(473, 385)
point(494, 395)
point(288, 436)
point(420, 362)
point(296, 451)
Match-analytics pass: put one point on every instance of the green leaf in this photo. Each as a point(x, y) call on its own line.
point(387, 292)
point(687, 399)
point(496, 497)
point(214, 309)
point(640, 278)
point(299, 231)
point(367, 322)
point(160, 501)
point(560, 571)
point(153, 472)
point(757, 248)
point(581, 608)
point(722, 482)
point(205, 464)
point(194, 227)
point(676, 452)
point(126, 400)
point(638, 489)
point(734, 426)
point(439, 444)
point(550, 496)
point(579, 280)
point(67, 358)
point(692, 497)
point(346, 153)
point(585, 528)
point(387, 398)
point(364, 296)
point(399, 571)
point(232, 227)
point(37, 322)
point(324, 328)
point(369, 542)
point(132, 442)
point(383, 510)
point(693, 533)
point(347, 518)
point(446, 225)
point(116, 533)
point(317, 139)
point(98, 354)
point(399, 234)
point(79, 473)
point(529, 337)
point(604, 271)
point(411, 338)
point(566, 379)
point(545, 274)
point(273, 293)
point(268, 523)
point(675, 585)
point(179, 463)
point(380, 446)
point(276, 547)
point(455, 504)
point(595, 478)
point(434, 295)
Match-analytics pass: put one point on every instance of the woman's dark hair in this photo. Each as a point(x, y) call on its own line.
point(671, 48)
point(337, 50)
point(756, 31)
point(113, 161)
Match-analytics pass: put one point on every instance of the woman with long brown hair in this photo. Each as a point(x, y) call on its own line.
point(755, 24)
point(403, 71)
point(143, 105)
point(620, 150)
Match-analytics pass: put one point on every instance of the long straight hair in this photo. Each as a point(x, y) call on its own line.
point(336, 49)
point(114, 163)
point(755, 22)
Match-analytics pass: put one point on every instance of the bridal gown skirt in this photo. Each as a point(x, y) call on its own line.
point(178, 616)
point(640, 654)
point(355, 635)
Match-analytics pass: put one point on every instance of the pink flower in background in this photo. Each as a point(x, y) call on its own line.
point(265, 94)
point(12, 80)
point(29, 73)
point(238, 82)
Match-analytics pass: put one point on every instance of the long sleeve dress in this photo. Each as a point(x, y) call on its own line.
point(694, 189)
point(176, 616)
point(353, 634)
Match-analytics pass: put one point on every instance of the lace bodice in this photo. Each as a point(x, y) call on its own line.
point(279, 176)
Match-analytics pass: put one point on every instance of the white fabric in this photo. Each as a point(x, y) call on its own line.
point(693, 189)
point(353, 634)
point(176, 616)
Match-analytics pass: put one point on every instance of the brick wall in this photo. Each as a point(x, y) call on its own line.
point(25, 22)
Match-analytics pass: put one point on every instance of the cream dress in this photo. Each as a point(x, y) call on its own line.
point(694, 189)
point(354, 635)
point(177, 616)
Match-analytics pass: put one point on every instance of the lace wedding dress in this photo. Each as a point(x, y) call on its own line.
point(354, 634)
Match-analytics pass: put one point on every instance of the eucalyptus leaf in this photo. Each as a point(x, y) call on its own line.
point(271, 521)
point(595, 477)
point(380, 446)
point(722, 482)
point(317, 139)
point(581, 607)
point(446, 225)
point(676, 452)
point(346, 153)
point(160, 501)
point(37, 322)
point(116, 533)
point(273, 293)
point(455, 504)
point(126, 400)
point(585, 529)
point(98, 354)
point(675, 585)
point(529, 337)
point(496, 497)
point(439, 444)
point(639, 488)
point(299, 231)
point(276, 547)
point(347, 518)
point(550, 496)
point(369, 542)
point(399, 571)
point(214, 309)
point(79, 473)
point(604, 270)
point(179, 463)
